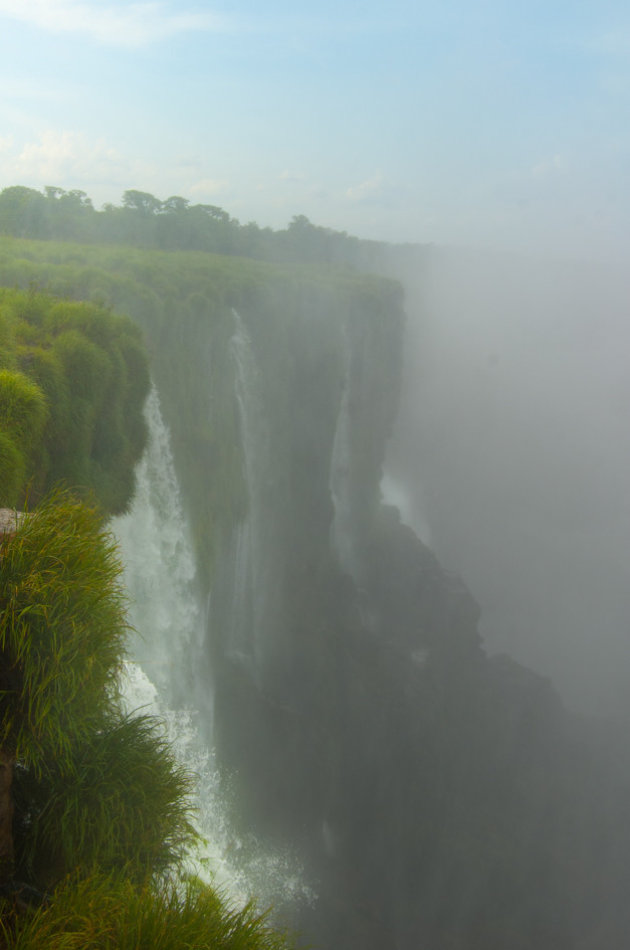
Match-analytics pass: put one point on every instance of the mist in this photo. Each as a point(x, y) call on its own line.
point(511, 445)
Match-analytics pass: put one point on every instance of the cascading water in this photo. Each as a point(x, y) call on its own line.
point(159, 565)
point(343, 533)
point(248, 591)
point(167, 676)
point(246, 577)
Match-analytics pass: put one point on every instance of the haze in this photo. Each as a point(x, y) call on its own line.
point(492, 126)
point(497, 124)
point(512, 447)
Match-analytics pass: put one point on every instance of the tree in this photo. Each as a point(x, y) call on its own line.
point(142, 202)
point(24, 212)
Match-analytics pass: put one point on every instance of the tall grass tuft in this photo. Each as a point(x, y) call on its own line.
point(62, 631)
point(121, 802)
point(111, 913)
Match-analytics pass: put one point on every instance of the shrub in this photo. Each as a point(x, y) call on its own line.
point(23, 408)
point(73, 379)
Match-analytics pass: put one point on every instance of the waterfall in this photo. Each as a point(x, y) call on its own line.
point(248, 588)
point(343, 529)
point(167, 676)
point(160, 566)
point(243, 600)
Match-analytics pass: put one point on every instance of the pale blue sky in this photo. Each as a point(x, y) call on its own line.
point(465, 122)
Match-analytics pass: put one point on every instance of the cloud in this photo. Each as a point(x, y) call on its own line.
point(209, 187)
point(64, 155)
point(130, 25)
point(367, 190)
point(70, 160)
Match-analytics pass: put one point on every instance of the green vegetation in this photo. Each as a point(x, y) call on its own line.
point(174, 224)
point(183, 304)
point(102, 810)
point(110, 913)
point(62, 630)
point(73, 378)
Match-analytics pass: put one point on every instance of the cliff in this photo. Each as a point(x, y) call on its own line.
point(95, 810)
point(435, 796)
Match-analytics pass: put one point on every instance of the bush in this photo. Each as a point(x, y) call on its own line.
point(23, 408)
point(73, 380)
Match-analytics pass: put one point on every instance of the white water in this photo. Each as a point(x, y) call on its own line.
point(249, 590)
point(343, 534)
point(159, 564)
point(167, 660)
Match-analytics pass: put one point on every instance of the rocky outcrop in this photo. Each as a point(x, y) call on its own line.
point(9, 521)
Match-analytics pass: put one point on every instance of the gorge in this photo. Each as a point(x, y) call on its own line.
point(430, 795)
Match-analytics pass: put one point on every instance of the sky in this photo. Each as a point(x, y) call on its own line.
point(491, 123)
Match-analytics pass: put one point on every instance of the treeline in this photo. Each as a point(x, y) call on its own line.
point(143, 220)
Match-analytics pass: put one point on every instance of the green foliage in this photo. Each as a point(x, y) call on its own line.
point(110, 913)
point(72, 386)
point(183, 303)
point(62, 631)
point(119, 800)
point(87, 367)
point(102, 809)
point(23, 408)
point(174, 224)
point(12, 469)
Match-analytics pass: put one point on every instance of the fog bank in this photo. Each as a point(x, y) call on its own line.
point(512, 442)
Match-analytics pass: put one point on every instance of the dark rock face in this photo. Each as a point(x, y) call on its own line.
point(437, 798)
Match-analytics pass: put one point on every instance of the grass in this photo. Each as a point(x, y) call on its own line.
point(123, 802)
point(102, 808)
point(110, 913)
point(62, 630)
